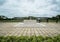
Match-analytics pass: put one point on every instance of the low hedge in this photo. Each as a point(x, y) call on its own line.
point(29, 39)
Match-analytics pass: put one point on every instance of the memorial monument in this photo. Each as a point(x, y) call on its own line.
point(29, 24)
point(30, 21)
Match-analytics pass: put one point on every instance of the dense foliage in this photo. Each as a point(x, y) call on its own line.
point(39, 19)
point(29, 39)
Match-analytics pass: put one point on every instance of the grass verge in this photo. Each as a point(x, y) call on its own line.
point(29, 39)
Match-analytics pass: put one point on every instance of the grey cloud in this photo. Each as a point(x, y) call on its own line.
point(2, 2)
point(16, 9)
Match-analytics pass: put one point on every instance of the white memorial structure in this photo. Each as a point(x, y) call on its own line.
point(29, 24)
point(30, 21)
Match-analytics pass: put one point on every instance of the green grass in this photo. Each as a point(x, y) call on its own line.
point(29, 39)
point(23, 20)
point(11, 20)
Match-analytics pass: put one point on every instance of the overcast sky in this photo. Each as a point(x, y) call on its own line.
point(14, 8)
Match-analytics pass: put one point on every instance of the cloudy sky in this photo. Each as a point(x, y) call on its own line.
point(14, 8)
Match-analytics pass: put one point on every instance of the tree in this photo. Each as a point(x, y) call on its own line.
point(57, 18)
point(3, 17)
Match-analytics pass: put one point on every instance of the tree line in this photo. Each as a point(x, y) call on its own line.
point(39, 19)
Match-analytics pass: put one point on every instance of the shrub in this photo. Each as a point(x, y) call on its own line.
point(29, 39)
